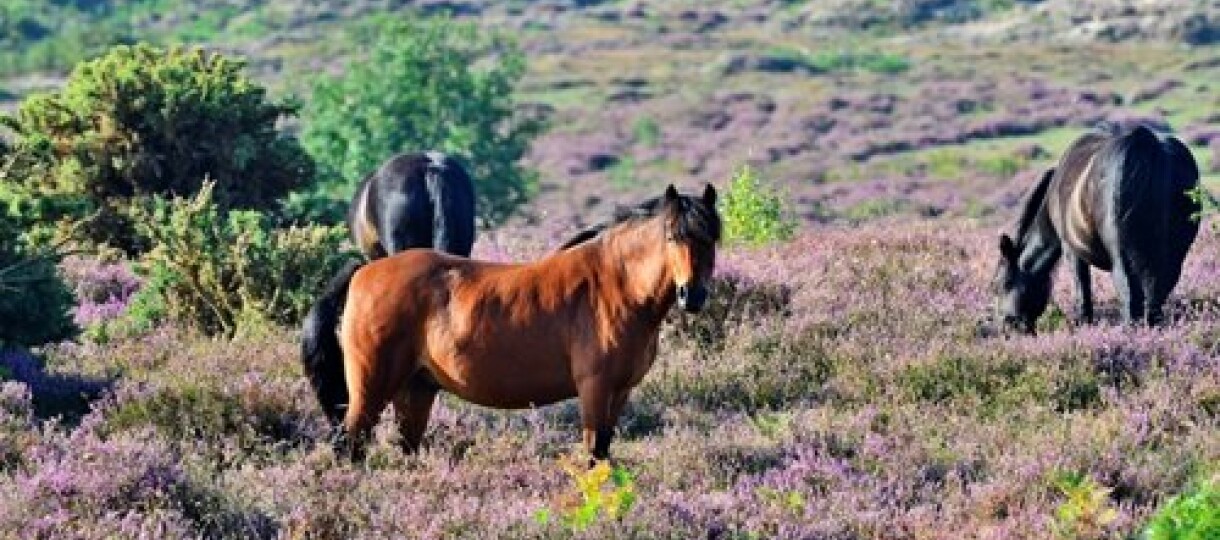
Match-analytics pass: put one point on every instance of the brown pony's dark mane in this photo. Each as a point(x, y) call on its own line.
point(692, 220)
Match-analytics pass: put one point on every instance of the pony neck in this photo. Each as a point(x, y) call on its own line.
point(1041, 248)
point(633, 258)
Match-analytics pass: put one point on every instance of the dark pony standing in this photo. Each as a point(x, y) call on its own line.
point(417, 200)
point(581, 322)
point(1116, 201)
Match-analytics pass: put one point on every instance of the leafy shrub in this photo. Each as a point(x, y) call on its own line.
point(424, 85)
point(35, 302)
point(1192, 515)
point(228, 272)
point(752, 213)
point(600, 489)
point(1086, 511)
point(143, 121)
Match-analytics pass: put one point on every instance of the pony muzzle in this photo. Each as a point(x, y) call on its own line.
point(691, 297)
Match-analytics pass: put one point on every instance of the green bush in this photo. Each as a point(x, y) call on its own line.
point(34, 300)
point(143, 121)
point(1192, 515)
point(424, 85)
point(752, 213)
point(229, 273)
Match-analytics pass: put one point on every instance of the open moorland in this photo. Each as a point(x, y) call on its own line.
point(841, 384)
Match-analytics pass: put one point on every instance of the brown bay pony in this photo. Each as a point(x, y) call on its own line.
point(1116, 201)
point(413, 200)
point(579, 323)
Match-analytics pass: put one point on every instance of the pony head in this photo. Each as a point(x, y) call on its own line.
point(1021, 297)
point(692, 229)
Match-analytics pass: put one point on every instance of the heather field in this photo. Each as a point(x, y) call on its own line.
point(853, 397)
point(841, 384)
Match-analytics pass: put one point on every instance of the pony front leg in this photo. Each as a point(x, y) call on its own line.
point(1084, 286)
point(598, 416)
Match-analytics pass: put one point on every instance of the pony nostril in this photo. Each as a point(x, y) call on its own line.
point(682, 292)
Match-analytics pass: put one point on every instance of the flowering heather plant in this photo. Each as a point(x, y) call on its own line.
point(103, 290)
point(868, 406)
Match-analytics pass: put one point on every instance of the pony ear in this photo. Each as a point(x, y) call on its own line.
point(671, 194)
point(709, 196)
point(1007, 248)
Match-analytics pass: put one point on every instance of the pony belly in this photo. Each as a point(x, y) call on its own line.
point(503, 383)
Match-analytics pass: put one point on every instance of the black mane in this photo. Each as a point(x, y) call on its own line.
point(693, 220)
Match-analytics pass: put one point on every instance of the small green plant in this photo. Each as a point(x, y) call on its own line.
point(599, 490)
point(646, 131)
point(623, 174)
point(225, 273)
point(1086, 511)
point(753, 213)
point(790, 500)
point(1192, 515)
point(1208, 204)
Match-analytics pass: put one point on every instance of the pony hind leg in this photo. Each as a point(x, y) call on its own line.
point(412, 407)
point(369, 390)
point(1130, 290)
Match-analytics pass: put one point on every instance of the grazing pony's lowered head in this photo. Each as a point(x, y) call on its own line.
point(1023, 287)
point(692, 229)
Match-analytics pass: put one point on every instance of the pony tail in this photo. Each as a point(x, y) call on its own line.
point(321, 355)
point(452, 194)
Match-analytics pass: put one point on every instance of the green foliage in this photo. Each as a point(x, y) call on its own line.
point(229, 273)
point(646, 131)
point(1192, 515)
point(1207, 203)
point(623, 174)
point(426, 84)
point(852, 60)
point(1086, 510)
point(599, 490)
point(34, 300)
point(753, 213)
point(192, 411)
point(144, 121)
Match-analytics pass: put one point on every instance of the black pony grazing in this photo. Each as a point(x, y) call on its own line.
point(1116, 201)
point(420, 200)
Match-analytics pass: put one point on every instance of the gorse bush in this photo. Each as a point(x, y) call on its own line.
point(34, 299)
point(142, 121)
point(423, 85)
point(225, 272)
point(753, 213)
